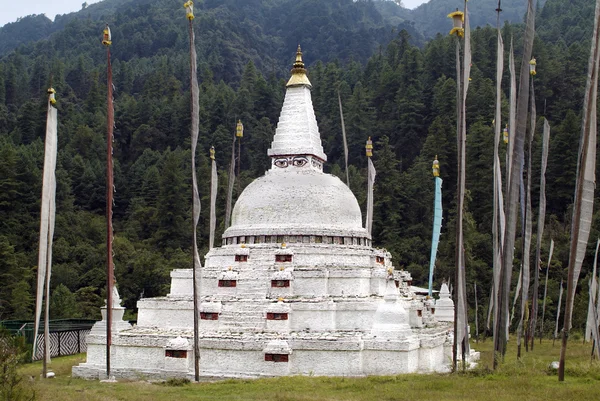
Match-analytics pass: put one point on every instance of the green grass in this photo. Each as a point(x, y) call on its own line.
point(524, 379)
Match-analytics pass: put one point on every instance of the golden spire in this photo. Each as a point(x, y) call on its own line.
point(299, 72)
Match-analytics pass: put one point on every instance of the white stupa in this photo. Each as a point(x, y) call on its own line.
point(296, 287)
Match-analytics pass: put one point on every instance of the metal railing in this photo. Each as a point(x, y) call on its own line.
point(67, 336)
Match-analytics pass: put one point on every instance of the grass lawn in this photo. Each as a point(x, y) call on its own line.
point(525, 379)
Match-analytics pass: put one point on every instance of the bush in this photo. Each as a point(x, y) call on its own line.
point(175, 382)
point(12, 353)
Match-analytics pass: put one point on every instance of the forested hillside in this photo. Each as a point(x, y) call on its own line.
point(431, 18)
point(400, 94)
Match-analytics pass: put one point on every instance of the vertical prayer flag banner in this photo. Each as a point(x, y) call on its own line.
point(461, 335)
point(214, 182)
point(47, 216)
point(546, 288)
point(560, 294)
point(591, 318)
point(512, 197)
point(584, 188)
point(344, 138)
point(512, 113)
point(230, 185)
point(370, 182)
point(540, 227)
point(437, 229)
point(497, 202)
point(195, 131)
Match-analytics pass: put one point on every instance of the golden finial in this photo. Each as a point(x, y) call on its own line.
point(299, 72)
point(283, 245)
point(189, 9)
point(106, 36)
point(239, 129)
point(281, 268)
point(280, 299)
point(230, 268)
point(532, 65)
point(458, 19)
point(51, 95)
point(243, 246)
point(369, 147)
point(436, 167)
point(212, 153)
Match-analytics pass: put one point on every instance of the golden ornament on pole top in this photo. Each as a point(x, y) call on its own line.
point(189, 9)
point(532, 66)
point(505, 134)
point(239, 129)
point(51, 95)
point(369, 147)
point(212, 153)
point(106, 36)
point(436, 167)
point(458, 19)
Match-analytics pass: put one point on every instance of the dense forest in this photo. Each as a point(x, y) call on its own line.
point(396, 88)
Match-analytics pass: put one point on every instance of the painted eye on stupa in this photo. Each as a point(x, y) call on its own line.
point(300, 161)
point(281, 163)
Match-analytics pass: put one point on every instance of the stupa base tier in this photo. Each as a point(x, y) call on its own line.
point(144, 353)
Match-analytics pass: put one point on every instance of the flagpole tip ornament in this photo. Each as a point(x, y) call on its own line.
point(189, 9)
point(458, 19)
point(369, 147)
point(505, 134)
point(51, 96)
point(436, 167)
point(532, 67)
point(298, 71)
point(106, 36)
point(239, 129)
point(212, 153)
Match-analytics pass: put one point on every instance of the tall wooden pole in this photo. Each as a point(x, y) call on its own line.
point(109, 204)
point(458, 249)
point(47, 319)
point(239, 165)
point(476, 312)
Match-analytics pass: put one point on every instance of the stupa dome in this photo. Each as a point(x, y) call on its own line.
point(297, 201)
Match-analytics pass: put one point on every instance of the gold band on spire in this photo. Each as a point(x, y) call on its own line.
point(299, 72)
